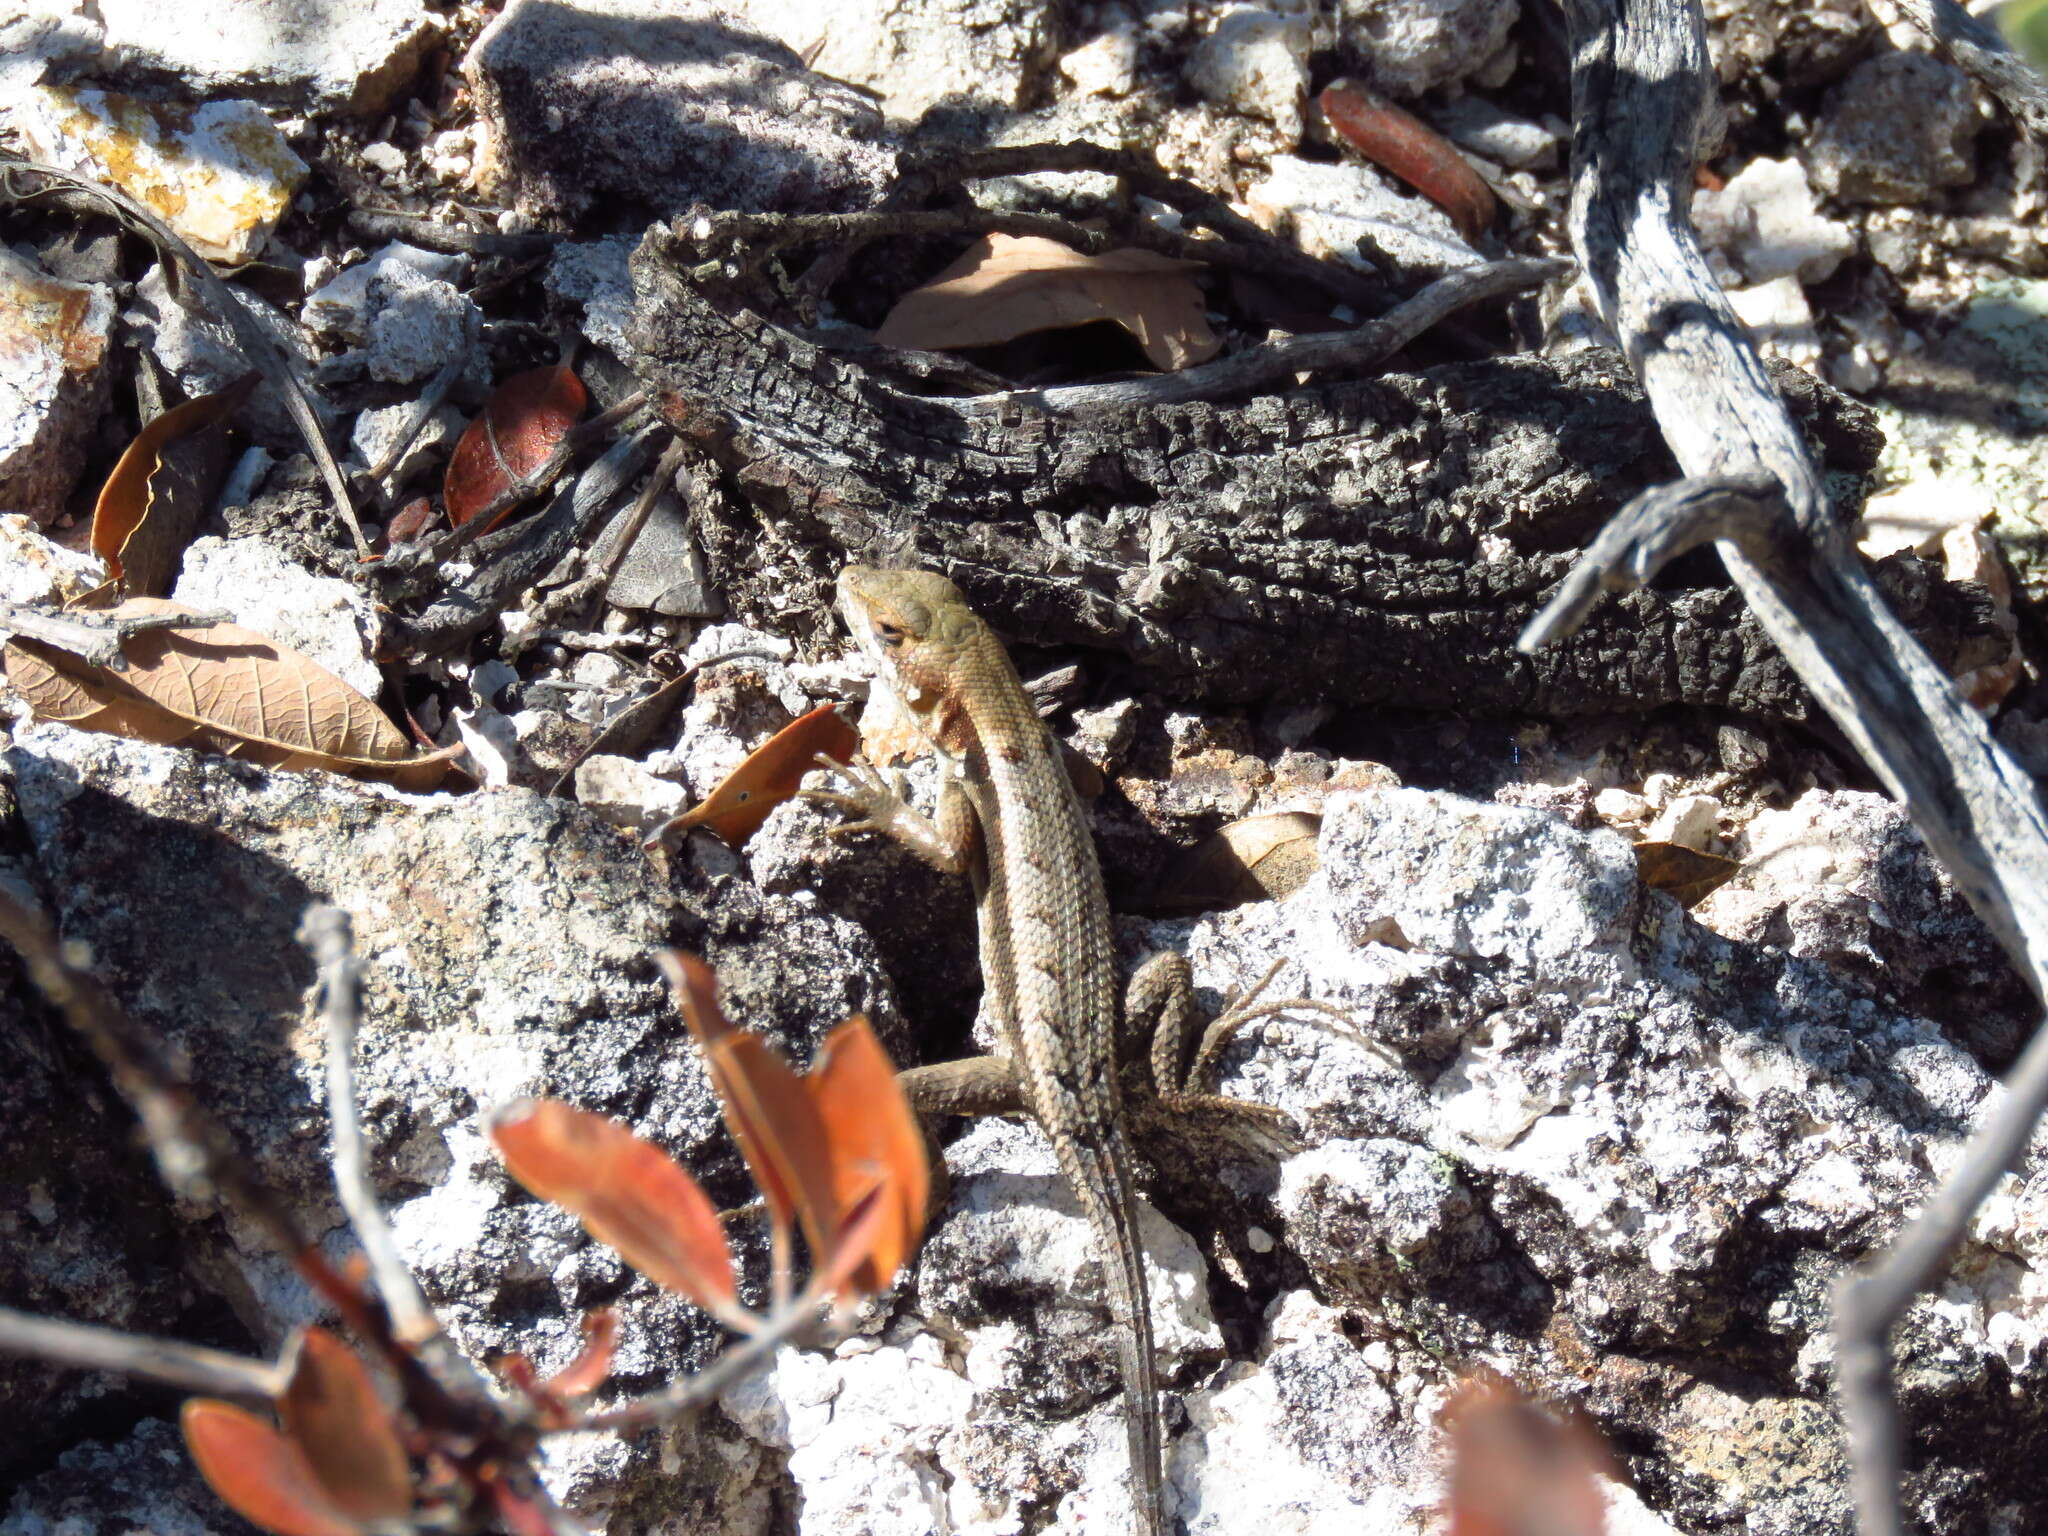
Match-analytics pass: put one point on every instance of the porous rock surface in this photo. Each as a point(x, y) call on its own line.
point(666, 103)
point(1568, 1131)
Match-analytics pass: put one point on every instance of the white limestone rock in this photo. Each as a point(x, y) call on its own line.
point(1767, 220)
point(260, 589)
point(1256, 62)
point(1406, 47)
point(1331, 209)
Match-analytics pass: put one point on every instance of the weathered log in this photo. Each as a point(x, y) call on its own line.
point(1372, 541)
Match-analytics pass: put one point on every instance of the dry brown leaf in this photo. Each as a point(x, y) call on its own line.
point(1009, 286)
point(1256, 858)
point(251, 696)
point(524, 422)
point(1683, 872)
point(132, 523)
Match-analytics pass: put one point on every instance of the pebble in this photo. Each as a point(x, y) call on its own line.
point(1474, 123)
point(1767, 219)
point(1899, 128)
point(219, 174)
point(378, 430)
point(1690, 821)
point(342, 305)
point(1406, 47)
point(1256, 62)
point(1106, 65)
point(1779, 320)
point(54, 339)
point(1331, 208)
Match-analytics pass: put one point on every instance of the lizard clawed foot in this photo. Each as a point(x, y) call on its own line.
point(876, 803)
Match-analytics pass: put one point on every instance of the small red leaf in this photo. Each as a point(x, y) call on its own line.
point(260, 1474)
point(331, 1409)
point(630, 1195)
point(525, 421)
point(770, 775)
point(1517, 1471)
point(875, 1145)
point(593, 1362)
point(768, 1108)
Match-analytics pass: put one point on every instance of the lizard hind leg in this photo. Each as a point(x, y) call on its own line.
point(1161, 1000)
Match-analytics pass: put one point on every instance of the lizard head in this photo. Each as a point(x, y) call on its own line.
point(914, 626)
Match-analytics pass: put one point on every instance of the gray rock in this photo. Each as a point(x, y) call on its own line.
point(664, 570)
point(664, 103)
point(54, 336)
point(350, 58)
point(1900, 128)
point(1257, 63)
point(1354, 214)
point(1474, 123)
point(1406, 47)
point(342, 307)
point(1802, 43)
point(917, 53)
point(142, 1482)
point(378, 430)
point(418, 325)
point(260, 589)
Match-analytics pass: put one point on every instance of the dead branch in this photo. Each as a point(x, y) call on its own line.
point(1640, 77)
point(96, 637)
point(185, 266)
point(510, 561)
point(184, 1367)
point(1275, 365)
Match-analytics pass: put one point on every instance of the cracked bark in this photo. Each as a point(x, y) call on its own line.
point(1378, 541)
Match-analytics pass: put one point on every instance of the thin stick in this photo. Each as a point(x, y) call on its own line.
point(1276, 364)
point(327, 933)
point(185, 1367)
point(673, 1401)
point(96, 637)
point(256, 344)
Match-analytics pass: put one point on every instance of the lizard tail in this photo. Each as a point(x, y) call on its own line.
point(1103, 1180)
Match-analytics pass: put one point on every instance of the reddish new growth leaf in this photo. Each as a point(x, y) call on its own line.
point(630, 1195)
point(1517, 1471)
point(840, 1150)
point(336, 1469)
point(497, 462)
point(771, 773)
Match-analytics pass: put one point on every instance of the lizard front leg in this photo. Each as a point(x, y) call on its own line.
point(951, 844)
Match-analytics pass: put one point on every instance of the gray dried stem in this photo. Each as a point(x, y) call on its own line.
point(185, 268)
point(182, 1367)
point(1640, 77)
point(96, 637)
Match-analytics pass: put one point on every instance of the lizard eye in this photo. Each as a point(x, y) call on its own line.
point(889, 634)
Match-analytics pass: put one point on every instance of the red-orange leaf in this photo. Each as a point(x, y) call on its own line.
point(260, 1474)
point(770, 775)
point(527, 418)
point(630, 1195)
point(872, 1134)
point(331, 1409)
point(1516, 1471)
point(768, 1107)
point(593, 1362)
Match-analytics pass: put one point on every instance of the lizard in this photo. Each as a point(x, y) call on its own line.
point(1009, 817)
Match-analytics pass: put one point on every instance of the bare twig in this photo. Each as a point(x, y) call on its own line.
point(512, 559)
point(692, 1392)
point(450, 239)
point(95, 636)
point(326, 931)
point(633, 722)
point(256, 344)
point(1981, 53)
point(1277, 363)
point(1276, 258)
point(1640, 75)
point(185, 1367)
